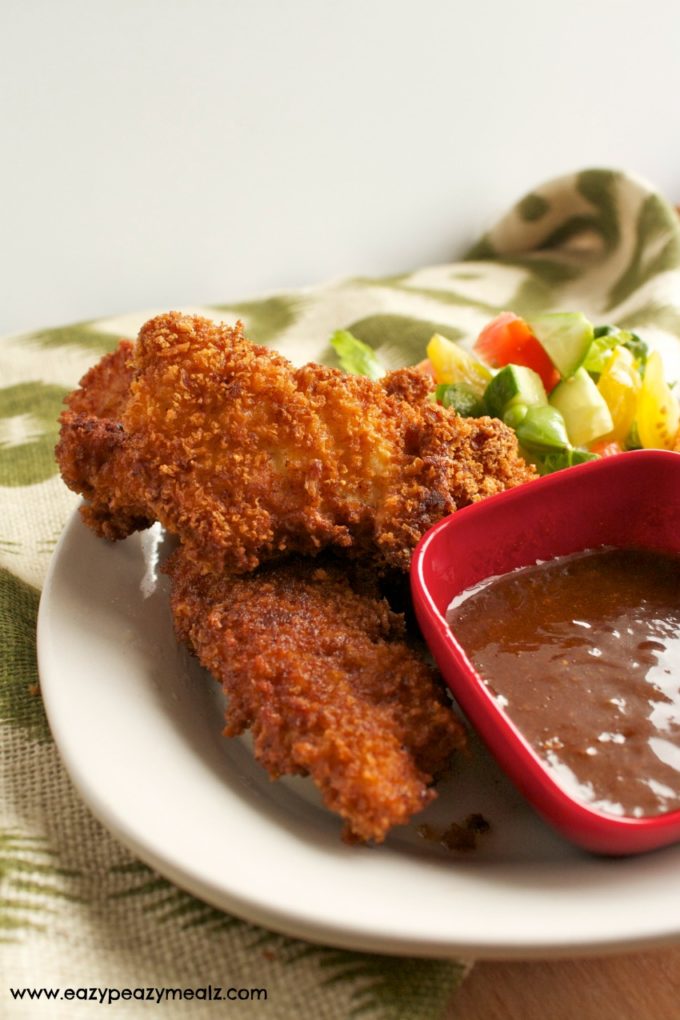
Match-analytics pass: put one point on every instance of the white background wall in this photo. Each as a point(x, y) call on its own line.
point(159, 153)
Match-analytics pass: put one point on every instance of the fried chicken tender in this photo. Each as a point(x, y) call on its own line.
point(319, 669)
point(104, 390)
point(246, 458)
point(94, 452)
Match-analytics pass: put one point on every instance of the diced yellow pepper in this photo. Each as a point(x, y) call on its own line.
point(658, 417)
point(620, 386)
point(452, 364)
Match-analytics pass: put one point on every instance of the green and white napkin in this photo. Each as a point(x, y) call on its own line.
point(76, 910)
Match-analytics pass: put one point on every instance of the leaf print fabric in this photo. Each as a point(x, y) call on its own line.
point(28, 432)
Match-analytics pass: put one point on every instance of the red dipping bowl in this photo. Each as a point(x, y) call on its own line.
point(629, 501)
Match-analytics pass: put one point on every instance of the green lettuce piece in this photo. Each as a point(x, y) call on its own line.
point(606, 330)
point(637, 347)
point(355, 356)
point(563, 459)
point(599, 353)
point(606, 339)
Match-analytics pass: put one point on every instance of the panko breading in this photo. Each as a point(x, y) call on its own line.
point(104, 390)
point(93, 450)
point(319, 670)
point(246, 458)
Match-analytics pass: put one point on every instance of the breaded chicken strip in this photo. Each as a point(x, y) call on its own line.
point(104, 391)
point(319, 669)
point(327, 684)
point(94, 446)
point(245, 457)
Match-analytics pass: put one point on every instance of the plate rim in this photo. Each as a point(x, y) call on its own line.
point(298, 924)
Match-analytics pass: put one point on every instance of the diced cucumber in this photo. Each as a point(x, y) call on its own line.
point(565, 337)
point(462, 399)
point(583, 408)
point(514, 384)
point(542, 429)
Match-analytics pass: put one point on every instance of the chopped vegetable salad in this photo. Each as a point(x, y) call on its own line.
point(571, 391)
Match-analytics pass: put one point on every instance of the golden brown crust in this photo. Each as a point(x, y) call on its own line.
point(319, 669)
point(94, 452)
point(104, 390)
point(410, 384)
point(96, 461)
point(246, 458)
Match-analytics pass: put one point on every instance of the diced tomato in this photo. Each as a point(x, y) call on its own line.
point(508, 340)
point(606, 448)
point(426, 367)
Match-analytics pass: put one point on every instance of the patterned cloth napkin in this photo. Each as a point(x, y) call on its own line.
point(76, 910)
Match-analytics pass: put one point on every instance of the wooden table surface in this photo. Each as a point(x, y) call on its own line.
point(641, 986)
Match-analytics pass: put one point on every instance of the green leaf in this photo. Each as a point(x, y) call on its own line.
point(356, 357)
point(606, 339)
point(399, 340)
point(563, 459)
point(636, 345)
point(599, 353)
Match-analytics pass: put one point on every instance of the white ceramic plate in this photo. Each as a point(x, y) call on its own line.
point(139, 726)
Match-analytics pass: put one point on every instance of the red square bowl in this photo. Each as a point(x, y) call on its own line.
point(629, 501)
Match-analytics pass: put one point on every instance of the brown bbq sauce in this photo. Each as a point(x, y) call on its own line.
point(583, 653)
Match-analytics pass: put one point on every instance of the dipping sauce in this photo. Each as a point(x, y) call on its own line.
point(583, 653)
